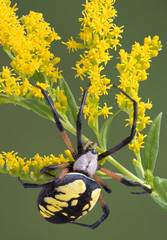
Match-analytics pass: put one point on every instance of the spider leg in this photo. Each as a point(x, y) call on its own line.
point(53, 183)
point(128, 139)
point(125, 181)
point(60, 177)
point(103, 184)
point(31, 185)
point(79, 123)
point(55, 167)
point(36, 185)
point(58, 123)
point(101, 219)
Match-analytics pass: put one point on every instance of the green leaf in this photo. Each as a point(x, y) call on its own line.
point(36, 106)
point(160, 185)
point(32, 104)
point(138, 172)
point(72, 106)
point(105, 130)
point(151, 146)
point(40, 108)
point(160, 203)
point(4, 98)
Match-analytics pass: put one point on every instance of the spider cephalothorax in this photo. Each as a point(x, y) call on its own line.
point(75, 191)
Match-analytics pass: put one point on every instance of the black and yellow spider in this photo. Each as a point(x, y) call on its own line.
point(76, 190)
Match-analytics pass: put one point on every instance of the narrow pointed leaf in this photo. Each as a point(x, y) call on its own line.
point(151, 146)
point(160, 185)
point(161, 203)
point(37, 106)
point(138, 172)
point(105, 130)
point(72, 106)
point(31, 104)
point(4, 98)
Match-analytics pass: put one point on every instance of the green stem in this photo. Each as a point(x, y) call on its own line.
point(9, 53)
point(140, 164)
point(95, 127)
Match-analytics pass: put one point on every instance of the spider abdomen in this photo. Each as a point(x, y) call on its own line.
point(74, 197)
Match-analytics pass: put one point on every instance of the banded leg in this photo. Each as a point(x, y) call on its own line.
point(128, 139)
point(60, 177)
point(45, 170)
point(125, 181)
point(55, 167)
point(101, 219)
point(103, 184)
point(79, 123)
point(58, 123)
point(36, 185)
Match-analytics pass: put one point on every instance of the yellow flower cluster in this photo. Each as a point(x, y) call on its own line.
point(132, 70)
point(29, 169)
point(27, 41)
point(15, 88)
point(98, 35)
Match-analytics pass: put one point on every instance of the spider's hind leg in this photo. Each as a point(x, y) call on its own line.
point(101, 219)
point(125, 181)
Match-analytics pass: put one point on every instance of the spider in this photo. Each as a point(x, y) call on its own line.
point(75, 191)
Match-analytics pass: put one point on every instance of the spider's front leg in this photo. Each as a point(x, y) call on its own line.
point(128, 139)
point(58, 122)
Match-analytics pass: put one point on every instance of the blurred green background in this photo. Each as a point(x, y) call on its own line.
point(131, 217)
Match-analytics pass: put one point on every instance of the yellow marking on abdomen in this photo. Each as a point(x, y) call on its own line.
point(50, 200)
point(84, 213)
point(53, 209)
point(65, 214)
point(45, 213)
point(85, 207)
point(74, 202)
point(71, 190)
point(55, 203)
point(95, 196)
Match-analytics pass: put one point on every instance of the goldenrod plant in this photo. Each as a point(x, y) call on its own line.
point(27, 41)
